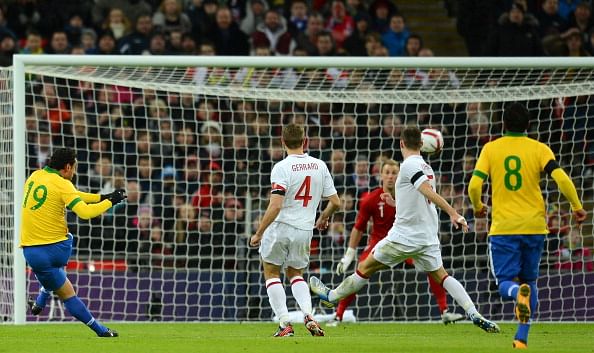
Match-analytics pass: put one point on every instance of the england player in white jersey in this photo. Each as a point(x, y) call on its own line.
point(413, 235)
point(299, 182)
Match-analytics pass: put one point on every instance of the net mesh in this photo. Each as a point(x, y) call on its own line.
point(194, 147)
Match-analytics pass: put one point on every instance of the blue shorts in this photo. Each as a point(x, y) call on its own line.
point(48, 261)
point(515, 256)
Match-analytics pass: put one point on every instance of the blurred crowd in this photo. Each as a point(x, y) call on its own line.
point(285, 27)
point(197, 168)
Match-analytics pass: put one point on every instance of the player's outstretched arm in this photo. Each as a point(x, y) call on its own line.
point(88, 197)
point(333, 205)
point(456, 219)
point(568, 190)
point(88, 211)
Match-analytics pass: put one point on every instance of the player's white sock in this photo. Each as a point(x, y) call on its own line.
point(459, 294)
point(278, 299)
point(300, 291)
point(351, 284)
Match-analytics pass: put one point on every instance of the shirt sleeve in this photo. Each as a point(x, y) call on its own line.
point(482, 167)
point(546, 155)
point(69, 194)
point(329, 188)
point(363, 215)
point(415, 174)
point(279, 180)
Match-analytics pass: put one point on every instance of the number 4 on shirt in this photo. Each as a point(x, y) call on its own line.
point(303, 193)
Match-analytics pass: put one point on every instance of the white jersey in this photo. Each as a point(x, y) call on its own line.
point(416, 220)
point(304, 180)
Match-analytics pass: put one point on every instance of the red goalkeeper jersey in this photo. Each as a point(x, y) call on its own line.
point(381, 214)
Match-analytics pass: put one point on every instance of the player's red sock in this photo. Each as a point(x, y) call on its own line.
point(439, 293)
point(343, 304)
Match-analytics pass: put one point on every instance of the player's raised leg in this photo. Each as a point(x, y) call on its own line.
point(351, 284)
point(36, 306)
point(442, 302)
point(79, 310)
point(457, 291)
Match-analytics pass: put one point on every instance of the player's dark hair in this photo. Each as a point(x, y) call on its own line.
point(411, 137)
point(61, 157)
point(516, 118)
point(293, 136)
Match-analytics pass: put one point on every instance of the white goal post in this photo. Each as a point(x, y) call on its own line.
point(324, 92)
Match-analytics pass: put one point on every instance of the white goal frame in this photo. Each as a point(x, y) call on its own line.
point(19, 72)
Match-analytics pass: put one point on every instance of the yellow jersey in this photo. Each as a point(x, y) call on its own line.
point(47, 194)
point(514, 164)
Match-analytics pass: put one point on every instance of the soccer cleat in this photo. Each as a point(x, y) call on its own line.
point(312, 326)
point(109, 333)
point(519, 344)
point(319, 288)
point(35, 309)
point(286, 331)
point(484, 324)
point(523, 304)
point(450, 318)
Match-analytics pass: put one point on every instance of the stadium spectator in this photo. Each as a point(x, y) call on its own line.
point(297, 19)
point(186, 227)
point(88, 40)
point(59, 43)
point(8, 47)
point(137, 42)
point(574, 43)
point(202, 15)
point(354, 44)
point(572, 255)
point(226, 36)
point(581, 18)
point(549, 20)
point(169, 17)
point(381, 11)
point(340, 23)
point(158, 44)
point(308, 39)
point(394, 39)
point(132, 8)
point(414, 44)
point(514, 36)
point(474, 22)
point(33, 43)
point(359, 181)
point(118, 23)
point(106, 44)
point(273, 34)
point(255, 13)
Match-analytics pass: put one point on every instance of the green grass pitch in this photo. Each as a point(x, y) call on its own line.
point(256, 337)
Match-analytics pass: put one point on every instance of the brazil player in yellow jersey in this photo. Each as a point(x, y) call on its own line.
point(45, 239)
point(514, 164)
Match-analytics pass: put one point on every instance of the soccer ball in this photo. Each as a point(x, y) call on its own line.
point(432, 141)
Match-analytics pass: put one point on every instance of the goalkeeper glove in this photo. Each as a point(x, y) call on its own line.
point(346, 260)
point(115, 197)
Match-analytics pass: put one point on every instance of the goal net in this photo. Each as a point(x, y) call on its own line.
point(193, 142)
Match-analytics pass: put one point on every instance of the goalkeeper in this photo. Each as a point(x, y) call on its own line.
point(382, 216)
point(45, 239)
